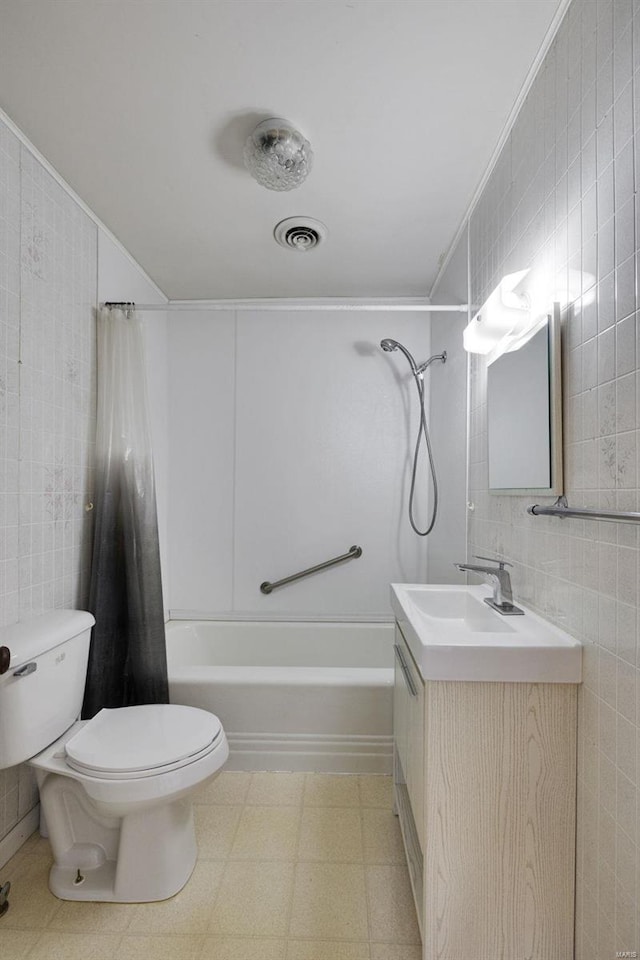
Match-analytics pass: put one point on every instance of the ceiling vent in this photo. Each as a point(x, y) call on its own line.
point(300, 233)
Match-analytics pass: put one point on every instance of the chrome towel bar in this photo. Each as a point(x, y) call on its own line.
point(562, 509)
point(352, 554)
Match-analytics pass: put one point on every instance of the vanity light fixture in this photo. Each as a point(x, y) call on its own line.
point(503, 318)
point(519, 306)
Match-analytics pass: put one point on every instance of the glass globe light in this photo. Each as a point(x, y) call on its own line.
point(277, 155)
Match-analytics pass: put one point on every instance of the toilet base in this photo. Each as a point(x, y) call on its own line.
point(138, 858)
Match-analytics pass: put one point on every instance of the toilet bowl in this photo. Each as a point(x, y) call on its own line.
point(115, 790)
point(116, 798)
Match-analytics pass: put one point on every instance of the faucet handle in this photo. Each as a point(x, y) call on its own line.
point(501, 563)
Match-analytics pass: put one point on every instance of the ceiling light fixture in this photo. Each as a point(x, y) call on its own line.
point(277, 155)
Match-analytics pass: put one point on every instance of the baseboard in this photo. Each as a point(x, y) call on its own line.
point(309, 753)
point(10, 844)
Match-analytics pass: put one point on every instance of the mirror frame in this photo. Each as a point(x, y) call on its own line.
point(556, 487)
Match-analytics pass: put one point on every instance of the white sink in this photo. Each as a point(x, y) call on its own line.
point(454, 635)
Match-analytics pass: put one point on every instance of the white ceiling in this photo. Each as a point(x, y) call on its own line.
point(143, 107)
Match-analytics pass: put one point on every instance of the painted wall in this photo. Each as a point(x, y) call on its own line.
point(563, 197)
point(47, 406)
point(291, 437)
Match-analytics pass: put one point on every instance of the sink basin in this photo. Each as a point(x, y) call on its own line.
point(454, 635)
point(458, 605)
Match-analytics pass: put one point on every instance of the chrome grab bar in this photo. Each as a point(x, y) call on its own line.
point(352, 554)
point(562, 509)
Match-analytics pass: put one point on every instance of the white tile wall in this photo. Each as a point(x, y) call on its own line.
point(563, 197)
point(47, 405)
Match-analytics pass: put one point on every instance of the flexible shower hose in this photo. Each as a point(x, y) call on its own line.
point(423, 430)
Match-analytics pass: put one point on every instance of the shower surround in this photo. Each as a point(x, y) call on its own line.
point(291, 435)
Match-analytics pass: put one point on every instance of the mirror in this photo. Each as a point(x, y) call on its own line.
point(524, 415)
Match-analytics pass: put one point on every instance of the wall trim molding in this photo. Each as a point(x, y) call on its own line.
point(532, 73)
point(11, 843)
point(51, 170)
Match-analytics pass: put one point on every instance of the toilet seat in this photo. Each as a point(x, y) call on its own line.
point(142, 741)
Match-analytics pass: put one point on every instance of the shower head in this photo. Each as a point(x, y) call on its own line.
point(390, 345)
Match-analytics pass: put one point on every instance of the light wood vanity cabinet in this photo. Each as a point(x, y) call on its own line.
point(485, 790)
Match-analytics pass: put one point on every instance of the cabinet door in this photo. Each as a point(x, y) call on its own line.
point(409, 729)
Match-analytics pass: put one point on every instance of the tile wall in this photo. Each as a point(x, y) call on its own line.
point(48, 250)
point(562, 198)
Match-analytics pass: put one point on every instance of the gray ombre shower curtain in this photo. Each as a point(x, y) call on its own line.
point(127, 658)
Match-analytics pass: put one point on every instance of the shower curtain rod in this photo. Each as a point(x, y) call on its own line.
point(185, 305)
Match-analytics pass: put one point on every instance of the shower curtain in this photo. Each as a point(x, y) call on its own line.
point(127, 658)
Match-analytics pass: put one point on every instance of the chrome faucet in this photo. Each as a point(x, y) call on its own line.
point(499, 578)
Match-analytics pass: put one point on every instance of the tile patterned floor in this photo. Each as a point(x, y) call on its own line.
point(291, 866)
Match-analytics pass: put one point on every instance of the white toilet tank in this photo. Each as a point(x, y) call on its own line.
point(42, 686)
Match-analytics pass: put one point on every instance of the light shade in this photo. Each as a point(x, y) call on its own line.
point(277, 155)
point(502, 318)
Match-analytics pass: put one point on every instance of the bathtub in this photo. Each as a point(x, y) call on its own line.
point(291, 696)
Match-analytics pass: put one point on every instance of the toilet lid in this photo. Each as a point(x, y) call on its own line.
point(142, 741)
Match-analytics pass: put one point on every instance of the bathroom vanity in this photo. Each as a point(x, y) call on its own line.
point(484, 774)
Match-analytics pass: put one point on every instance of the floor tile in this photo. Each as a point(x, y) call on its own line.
point(396, 951)
point(186, 913)
point(254, 900)
point(33, 906)
point(267, 833)
point(326, 950)
point(276, 788)
point(167, 947)
point(333, 834)
point(376, 791)
point(35, 846)
point(331, 790)
point(229, 787)
point(382, 837)
point(392, 915)
point(76, 946)
point(215, 830)
point(291, 867)
point(234, 948)
point(329, 902)
point(15, 944)
point(75, 916)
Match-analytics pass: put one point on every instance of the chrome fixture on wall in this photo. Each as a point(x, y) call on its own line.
point(418, 371)
point(277, 155)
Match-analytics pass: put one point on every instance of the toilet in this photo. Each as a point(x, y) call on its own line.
point(115, 791)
